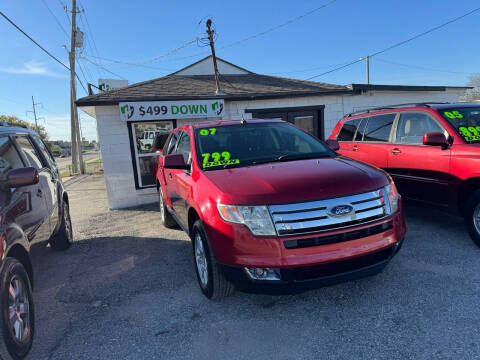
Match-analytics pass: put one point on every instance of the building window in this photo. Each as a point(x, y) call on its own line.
point(143, 136)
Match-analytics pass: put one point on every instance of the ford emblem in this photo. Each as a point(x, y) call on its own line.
point(340, 210)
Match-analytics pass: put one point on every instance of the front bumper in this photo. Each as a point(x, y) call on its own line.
point(299, 279)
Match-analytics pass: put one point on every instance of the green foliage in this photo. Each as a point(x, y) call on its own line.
point(16, 121)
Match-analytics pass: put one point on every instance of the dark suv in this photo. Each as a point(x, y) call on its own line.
point(34, 212)
point(432, 152)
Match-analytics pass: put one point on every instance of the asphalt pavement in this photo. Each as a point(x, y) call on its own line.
point(127, 290)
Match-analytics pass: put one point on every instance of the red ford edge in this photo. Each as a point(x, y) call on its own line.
point(269, 208)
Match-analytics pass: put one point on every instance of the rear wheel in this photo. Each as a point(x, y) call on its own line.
point(472, 217)
point(167, 219)
point(17, 311)
point(63, 239)
point(209, 275)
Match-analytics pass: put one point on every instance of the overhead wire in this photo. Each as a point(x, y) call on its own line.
point(400, 43)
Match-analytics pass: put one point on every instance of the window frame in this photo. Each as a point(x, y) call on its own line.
point(389, 141)
point(397, 120)
point(361, 118)
point(183, 133)
point(45, 164)
point(133, 150)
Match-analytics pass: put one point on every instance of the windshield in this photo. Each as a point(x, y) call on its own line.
point(465, 120)
point(253, 144)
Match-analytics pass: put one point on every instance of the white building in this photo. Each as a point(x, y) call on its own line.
point(129, 117)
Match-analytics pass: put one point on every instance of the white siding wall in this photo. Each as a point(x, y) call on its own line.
point(115, 143)
point(205, 67)
point(117, 161)
point(339, 105)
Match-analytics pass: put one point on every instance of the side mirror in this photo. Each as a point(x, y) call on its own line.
point(174, 161)
point(333, 144)
point(435, 139)
point(22, 177)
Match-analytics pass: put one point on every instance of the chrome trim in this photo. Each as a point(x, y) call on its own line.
point(313, 216)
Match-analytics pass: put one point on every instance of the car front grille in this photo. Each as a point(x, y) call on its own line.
point(314, 216)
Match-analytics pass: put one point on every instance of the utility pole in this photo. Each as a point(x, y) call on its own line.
point(210, 33)
point(368, 69)
point(77, 156)
point(35, 114)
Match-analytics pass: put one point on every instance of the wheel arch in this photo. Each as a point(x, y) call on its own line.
point(18, 252)
point(466, 189)
point(192, 217)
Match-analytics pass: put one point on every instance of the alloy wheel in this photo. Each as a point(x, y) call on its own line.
point(476, 218)
point(68, 223)
point(18, 308)
point(201, 260)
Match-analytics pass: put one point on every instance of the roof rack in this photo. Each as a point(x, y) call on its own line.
point(387, 107)
point(5, 123)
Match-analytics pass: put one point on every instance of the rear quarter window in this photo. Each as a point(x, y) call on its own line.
point(352, 130)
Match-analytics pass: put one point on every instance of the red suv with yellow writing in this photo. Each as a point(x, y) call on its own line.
point(432, 151)
point(270, 208)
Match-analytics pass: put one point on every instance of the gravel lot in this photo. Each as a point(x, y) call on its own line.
point(127, 290)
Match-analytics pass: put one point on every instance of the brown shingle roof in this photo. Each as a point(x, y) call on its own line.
point(244, 86)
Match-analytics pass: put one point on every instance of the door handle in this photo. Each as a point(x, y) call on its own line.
point(396, 151)
point(355, 148)
point(39, 193)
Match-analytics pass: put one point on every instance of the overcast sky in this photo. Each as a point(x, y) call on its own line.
point(136, 31)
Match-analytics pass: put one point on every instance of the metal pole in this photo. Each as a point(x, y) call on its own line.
point(368, 69)
point(71, 57)
point(214, 58)
point(35, 115)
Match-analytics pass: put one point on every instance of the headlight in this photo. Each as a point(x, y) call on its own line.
point(256, 218)
point(391, 196)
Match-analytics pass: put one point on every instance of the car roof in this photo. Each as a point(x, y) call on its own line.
point(397, 107)
point(218, 123)
point(6, 128)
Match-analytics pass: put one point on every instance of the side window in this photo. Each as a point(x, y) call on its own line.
point(412, 126)
point(9, 157)
point(184, 147)
point(46, 153)
point(168, 149)
point(33, 158)
point(379, 127)
point(361, 129)
point(348, 130)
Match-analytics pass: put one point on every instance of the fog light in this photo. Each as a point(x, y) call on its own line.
point(263, 273)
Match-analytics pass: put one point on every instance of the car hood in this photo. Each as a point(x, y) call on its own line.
point(296, 181)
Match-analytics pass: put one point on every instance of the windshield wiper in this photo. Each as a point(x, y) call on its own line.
point(293, 157)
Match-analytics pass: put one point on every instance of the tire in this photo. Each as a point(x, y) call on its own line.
point(166, 218)
point(16, 341)
point(63, 239)
point(472, 211)
point(212, 282)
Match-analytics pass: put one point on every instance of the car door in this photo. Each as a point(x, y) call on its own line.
point(22, 205)
point(421, 172)
point(182, 179)
point(350, 137)
point(51, 167)
point(374, 147)
point(169, 185)
point(42, 204)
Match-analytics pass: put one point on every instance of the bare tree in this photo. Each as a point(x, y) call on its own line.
point(474, 93)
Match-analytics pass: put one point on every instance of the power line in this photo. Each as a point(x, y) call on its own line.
point(36, 43)
point(89, 29)
point(400, 43)
point(260, 33)
point(102, 67)
point(288, 22)
point(424, 68)
point(56, 19)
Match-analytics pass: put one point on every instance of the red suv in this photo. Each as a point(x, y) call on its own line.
point(269, 207)
point(432, 151)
